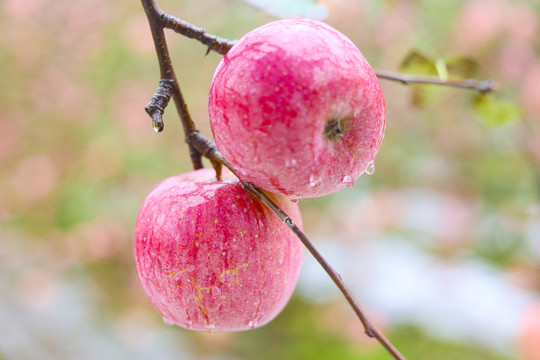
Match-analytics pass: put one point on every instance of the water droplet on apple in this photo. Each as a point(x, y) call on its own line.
point(252, 324)
point(290, 163)
point(314, 180)
point(348, 181)
point(168, 320)
point(216, 292)
point(288, 221)
point(370, 168)
point(209, 327)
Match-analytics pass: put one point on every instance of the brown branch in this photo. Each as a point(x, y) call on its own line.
point(153, 13)
point(222, 46)
point(159, 102)
point(469, 84)
point(200, 145)
point(369, 329)
point(213, 42)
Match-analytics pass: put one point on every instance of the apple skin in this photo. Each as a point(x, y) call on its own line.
point(212, 257)
point(274, 97)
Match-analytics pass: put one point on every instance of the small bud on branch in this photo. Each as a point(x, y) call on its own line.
point(159, 102)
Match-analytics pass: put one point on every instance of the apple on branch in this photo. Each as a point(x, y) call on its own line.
point(212, 257)
point(296, 109)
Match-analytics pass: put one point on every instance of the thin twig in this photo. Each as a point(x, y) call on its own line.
point(213, 42)
point(222, 46)
point(469, 84)
point(369, 329)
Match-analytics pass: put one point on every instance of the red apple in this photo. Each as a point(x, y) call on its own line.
point(296, 109)
point(212, 257)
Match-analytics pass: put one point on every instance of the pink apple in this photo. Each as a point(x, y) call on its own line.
point(296, 109)
point(212, 257)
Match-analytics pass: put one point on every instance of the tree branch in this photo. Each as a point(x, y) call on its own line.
point(153, 13)
point(469, 84)
point(213, 42)
point(222, 46)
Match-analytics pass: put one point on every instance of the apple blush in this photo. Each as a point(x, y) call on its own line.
point(211, 257)
point(296, 109)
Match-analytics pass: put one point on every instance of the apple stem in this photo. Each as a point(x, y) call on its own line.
point(209, 150)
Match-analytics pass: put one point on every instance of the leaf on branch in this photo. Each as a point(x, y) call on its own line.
point(449, 67)
point(494, 111)
point(288, 9)
point(418, 64)
point(460, 67)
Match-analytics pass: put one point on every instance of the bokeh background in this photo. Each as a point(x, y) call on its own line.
point(441, 244)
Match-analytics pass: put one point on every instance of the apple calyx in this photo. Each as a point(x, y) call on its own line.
point(333, 129)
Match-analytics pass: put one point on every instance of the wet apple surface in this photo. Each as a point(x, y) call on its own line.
point(296, 109)
point(211, 257)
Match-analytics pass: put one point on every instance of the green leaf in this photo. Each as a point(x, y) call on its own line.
point(461, 67)
point(418, 64)
point(494, 111)
point(449, 67)
point(442, 68)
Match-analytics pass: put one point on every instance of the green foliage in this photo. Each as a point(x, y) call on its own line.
point(460, 67)
point(496, 111)
point(79, 201)
point(418, 64)
point(420, 347)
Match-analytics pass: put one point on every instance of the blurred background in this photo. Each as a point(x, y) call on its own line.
point(441, 244)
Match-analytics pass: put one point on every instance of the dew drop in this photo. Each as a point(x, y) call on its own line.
point(252, 324)
point(216, 292)
point(314, 180)
point(157, 125)
point(370, 168)
point(210, 327)
point(290, 163)
point(288, 221)
point(348, 181)
point(168, 320)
